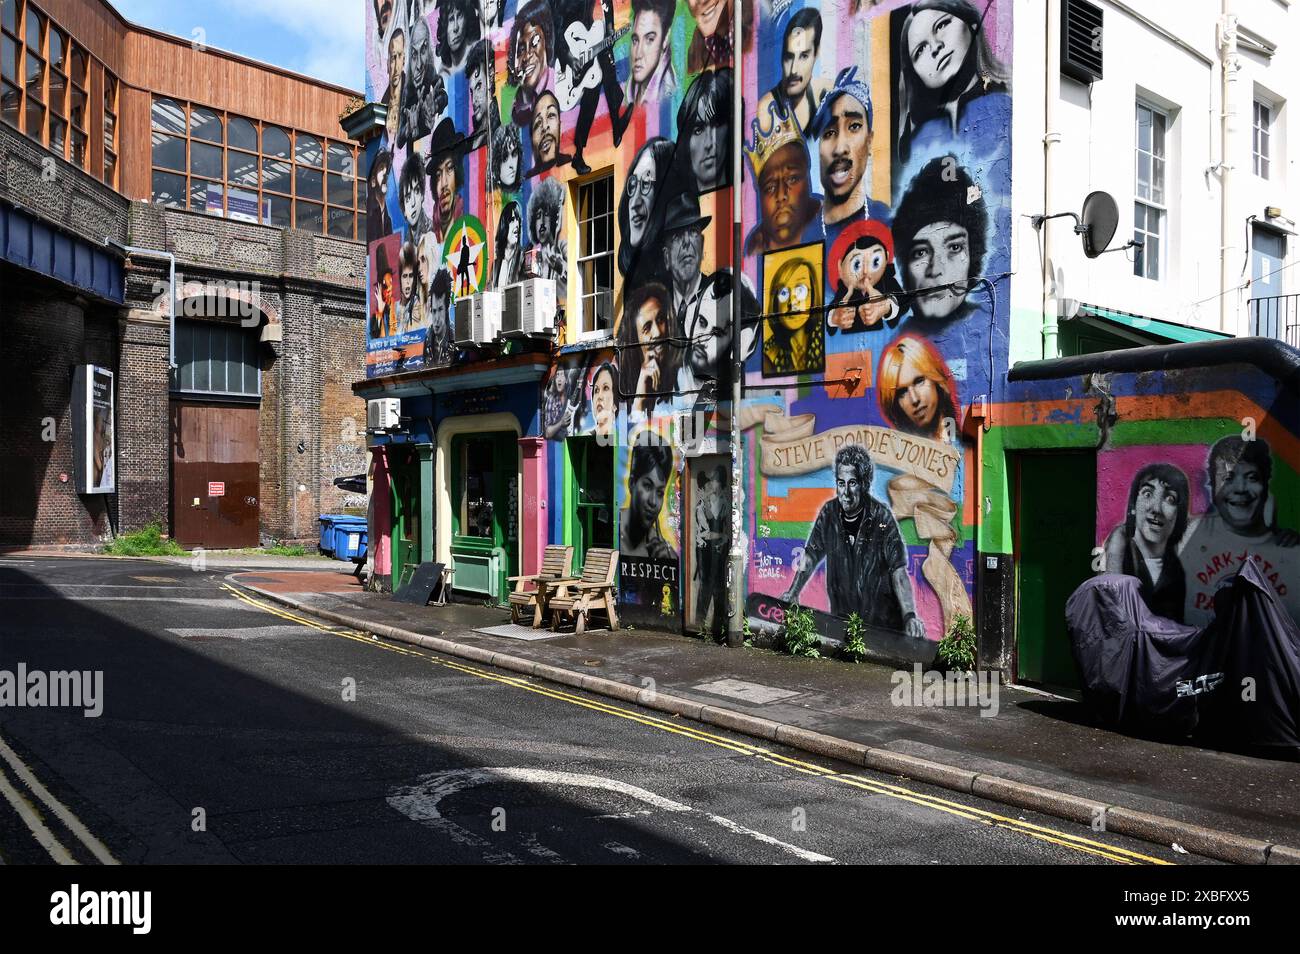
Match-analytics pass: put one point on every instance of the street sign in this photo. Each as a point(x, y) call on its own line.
point(216, 488)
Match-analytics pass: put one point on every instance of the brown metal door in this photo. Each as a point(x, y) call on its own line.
point(215, 476)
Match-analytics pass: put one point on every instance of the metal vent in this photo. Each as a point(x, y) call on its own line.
point(1081, 40)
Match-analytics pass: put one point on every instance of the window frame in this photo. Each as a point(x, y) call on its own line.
point(185, 328)
point(1261, 137)
point(260, 159)
point(1155, 200)
point(587, 225)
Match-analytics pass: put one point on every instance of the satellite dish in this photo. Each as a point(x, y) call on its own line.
point(1098, 223)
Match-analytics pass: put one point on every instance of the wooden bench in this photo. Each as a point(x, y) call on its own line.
point(594, 590)
point(555, 567)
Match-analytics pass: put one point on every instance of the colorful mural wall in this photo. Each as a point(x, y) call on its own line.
point(878, 229)
point(874, 242)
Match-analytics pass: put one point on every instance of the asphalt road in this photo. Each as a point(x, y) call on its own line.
point(234, 733)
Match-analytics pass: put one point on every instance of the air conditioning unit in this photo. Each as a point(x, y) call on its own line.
point(529, 307)
point(383, 414)
point(1081, 46)
point(478, 319)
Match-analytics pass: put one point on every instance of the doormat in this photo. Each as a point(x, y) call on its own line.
point(513, 631)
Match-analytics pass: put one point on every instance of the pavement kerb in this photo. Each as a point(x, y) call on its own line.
point(1155, 829)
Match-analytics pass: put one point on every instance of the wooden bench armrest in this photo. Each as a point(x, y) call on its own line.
point(515, 579)
point(595, 586)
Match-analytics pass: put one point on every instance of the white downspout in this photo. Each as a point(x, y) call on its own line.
point(1228, 251)
point(1051, 137)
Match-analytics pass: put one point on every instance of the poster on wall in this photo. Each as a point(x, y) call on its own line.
point(93, 430)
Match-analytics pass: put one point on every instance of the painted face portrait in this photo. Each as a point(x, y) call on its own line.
point(437, 311)
point(939, 259)
point(513, 231)
point(424, 259)
point(507, 153)
point(648, 41)
point(797, 61)
point(648, 496)
point(707, 13)
point(641, 197)
point(546, 130)
point(1240, 492)
point(844, 145)
point(478, 91)
point(396, 67)
point(652, 329)
point(848, 488)
point(421, 56)
point(412, 200)
point(937, 44)
point(408, 283)
point(445, 187)
point(710, 332)
point(793, 297)
point(491, 10)
point(1155, 512)
point(916, 391)
point(707, 142)
point(685, 251)
point(388, 288)
point(602, 400)
point(785, 193)
point(918, 396)
point(533, 55)
point(455, 29)
point(383, 15)
point(862, 269)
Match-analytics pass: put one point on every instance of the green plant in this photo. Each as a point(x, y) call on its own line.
point(281, 549)
point(799, 636)
point(147, 541)
point(957, 648)
point(854, 645)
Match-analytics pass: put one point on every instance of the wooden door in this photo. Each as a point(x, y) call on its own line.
point(215, 475)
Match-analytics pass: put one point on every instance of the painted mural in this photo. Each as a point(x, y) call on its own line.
point(878, 226)
point(874, 236)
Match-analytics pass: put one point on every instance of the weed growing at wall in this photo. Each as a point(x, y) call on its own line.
point(799, 636)
point(957, 648)
point(855, 647)
point(147, 541)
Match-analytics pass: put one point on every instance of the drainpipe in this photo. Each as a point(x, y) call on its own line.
point(736, 558)
point(1051, 137)
point(137, 250)
point(1228, 251)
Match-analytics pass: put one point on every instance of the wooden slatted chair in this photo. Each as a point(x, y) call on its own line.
point(595, 590)
point(555, 567)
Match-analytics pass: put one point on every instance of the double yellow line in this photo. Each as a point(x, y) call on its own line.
point(1051, 836)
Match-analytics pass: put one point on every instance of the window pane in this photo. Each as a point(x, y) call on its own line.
point(78, 153)
point(80, 65)
point(310, 216)
point(340, 190)
point(110, 131)
point(203, 358)
point(1144, 129)
point(77, 109)
point(275, 176)
point(168, 189)
point(58, 91)
point(340, 160)
point(35, 30)
point(110, 167)
point(1157, 180)
point(1153, 257)
point(35, 119)
point(279, 209)
point(275, 142)
point(205, 160)
point(243, 134)
point(8, 58)
point(207, 197)
point(9, 100)
point(169, 152)
point(205, 124)
point(9, 15)
point(58, 49)
point(220, 359)
point(340, 223)
point(241, 169)
point(168, 116)
point(308, 151)
point(58, 134)
point(1158, 134)
point(309, 183)
point(35, 76)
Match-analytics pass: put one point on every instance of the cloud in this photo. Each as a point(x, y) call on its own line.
point(323, 38)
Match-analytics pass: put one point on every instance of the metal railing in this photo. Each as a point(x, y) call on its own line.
point(1276, 317)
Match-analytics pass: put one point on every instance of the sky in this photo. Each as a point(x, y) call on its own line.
point(321, 38)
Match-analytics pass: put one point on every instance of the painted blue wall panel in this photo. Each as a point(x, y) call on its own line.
point(32, 244)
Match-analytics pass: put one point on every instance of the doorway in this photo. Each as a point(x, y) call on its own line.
point(707, 543)
point(590, 496)
point(404, 481)
point(215, 475)
point(485, 512)
point(1055, 532)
